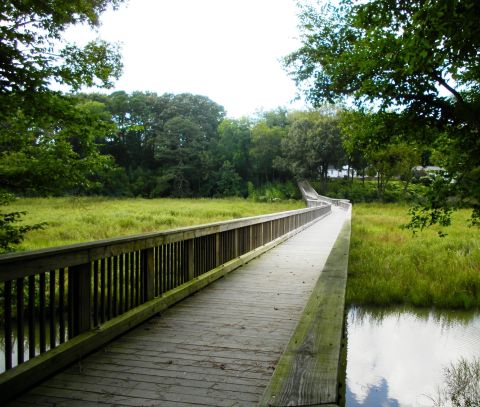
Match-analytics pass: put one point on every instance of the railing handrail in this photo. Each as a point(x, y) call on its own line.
point(35, 261)
point(311, 196)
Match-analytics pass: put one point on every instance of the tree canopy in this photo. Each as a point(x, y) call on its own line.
point(48, 140)
point(32, 55)
point(414, 63)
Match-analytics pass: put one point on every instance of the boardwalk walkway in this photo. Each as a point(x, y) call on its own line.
point(217, 348)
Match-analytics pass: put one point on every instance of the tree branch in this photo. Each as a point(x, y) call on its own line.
point(444, 83)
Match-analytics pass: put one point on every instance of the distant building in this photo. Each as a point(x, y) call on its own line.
point(428, 169)
point(340, 173)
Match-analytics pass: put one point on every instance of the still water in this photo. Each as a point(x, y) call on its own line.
point(396, 357)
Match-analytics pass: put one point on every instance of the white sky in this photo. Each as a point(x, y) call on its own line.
point(227, 50)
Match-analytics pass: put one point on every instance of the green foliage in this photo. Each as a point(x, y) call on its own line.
point(394, 58)
point(396, 54)
point(54, 153)
point(48, 142)
point(273, 192)
point(366, 191)
point(312, 144)
point(387, 265)
point(265, 147)
point(229, 182)
point(234, 145)
point(11, 234)
point(30, 38)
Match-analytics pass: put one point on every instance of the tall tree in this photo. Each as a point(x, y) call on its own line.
point(234, 145)
point(312, 145)
point(265, 148)
point(185, 143)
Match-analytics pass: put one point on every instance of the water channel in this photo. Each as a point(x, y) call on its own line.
point(396, 357)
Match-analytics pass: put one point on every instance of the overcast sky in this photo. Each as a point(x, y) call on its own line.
point(228, 50)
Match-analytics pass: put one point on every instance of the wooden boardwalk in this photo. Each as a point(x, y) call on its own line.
point(218, 347)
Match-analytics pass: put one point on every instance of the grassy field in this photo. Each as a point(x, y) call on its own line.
point(389, 265)
point(80, 219)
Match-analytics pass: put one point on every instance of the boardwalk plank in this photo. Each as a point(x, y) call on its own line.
point(308, 372)
point(218, 347)
point(117, 377)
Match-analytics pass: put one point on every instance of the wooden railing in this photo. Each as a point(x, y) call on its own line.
point(313, 199)
point(51, 297)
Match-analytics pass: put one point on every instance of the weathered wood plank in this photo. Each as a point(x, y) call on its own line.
point(125, 387)
point(16, 380)
point(207, 352)
point(134, 372)
point(127, 379)
point(307, 374)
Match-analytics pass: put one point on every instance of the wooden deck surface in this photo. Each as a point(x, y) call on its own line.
point(218, 347)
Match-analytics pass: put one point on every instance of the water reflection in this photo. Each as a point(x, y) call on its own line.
point(377, 395)
point(396, 357)
point(25, 343)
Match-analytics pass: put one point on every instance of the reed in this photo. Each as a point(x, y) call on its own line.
point(388, 265)
point(80, 219)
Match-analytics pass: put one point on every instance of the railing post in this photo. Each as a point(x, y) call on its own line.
point(236, 244)
point(81, 278)
point(8, 324)
point(217, 249)
point(148, 273)
point(191, 260)
point(250, 238)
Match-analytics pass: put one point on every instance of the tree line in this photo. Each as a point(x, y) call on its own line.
point(149, 145)
point(144, 144)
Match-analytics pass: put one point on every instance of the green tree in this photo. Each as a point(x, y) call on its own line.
point(265, 148)
point(48, 140)
point(312, 145)
point(10, 234)
point(185, 144)
point(409, 58)
point(57, 152)
point(31, 55)
point(135, 116)
point(393, 160)
point(234, 145)
point(229, 182)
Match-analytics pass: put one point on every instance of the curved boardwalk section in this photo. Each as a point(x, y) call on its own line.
point(218, 347)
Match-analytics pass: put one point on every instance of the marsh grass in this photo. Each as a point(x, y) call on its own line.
point(461, 385)
point(388, 265)
point(80, 219)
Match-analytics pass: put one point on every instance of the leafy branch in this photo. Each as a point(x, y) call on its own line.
point(11, 234)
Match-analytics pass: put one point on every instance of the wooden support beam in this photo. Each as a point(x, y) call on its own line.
point(148, 274)
point(191, 259)
point(81, 289)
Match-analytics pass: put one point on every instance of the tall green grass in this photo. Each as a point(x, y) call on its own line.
point(80, 219)
point(389, 265)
